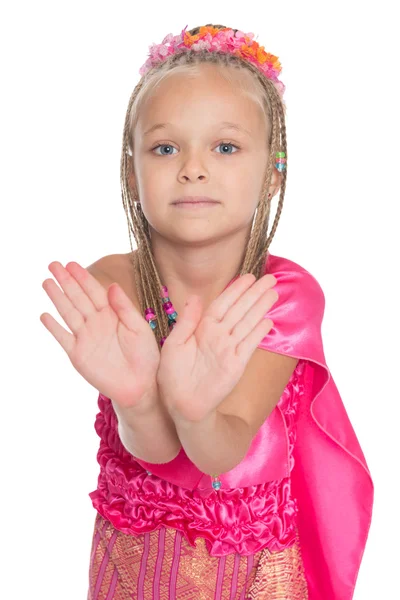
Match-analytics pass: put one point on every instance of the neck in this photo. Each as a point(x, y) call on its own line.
point(194, 269)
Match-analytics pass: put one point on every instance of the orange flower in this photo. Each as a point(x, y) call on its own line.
point(210, 29)
point(190, 39)
point(261, 55)
point(276, 64)
point(247, 51)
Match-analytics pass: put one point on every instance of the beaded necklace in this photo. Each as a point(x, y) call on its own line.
point(171, 313)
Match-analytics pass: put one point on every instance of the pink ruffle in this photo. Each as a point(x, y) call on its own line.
point(244, 520)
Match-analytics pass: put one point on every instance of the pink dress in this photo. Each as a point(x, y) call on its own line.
point(304, 477)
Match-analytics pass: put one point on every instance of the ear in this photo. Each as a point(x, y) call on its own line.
point(275, 182)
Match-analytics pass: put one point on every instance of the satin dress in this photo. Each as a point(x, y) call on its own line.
point(290, 521)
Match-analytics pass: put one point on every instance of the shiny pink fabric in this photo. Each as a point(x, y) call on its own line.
point(330, 480)
point(331, 487)
point(247, 514)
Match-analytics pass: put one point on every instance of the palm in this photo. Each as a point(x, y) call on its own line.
point(119, 362)
point(203, 360)
point(111, 344)
point(203, 371)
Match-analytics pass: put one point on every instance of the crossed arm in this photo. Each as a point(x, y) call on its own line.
point(220, 441)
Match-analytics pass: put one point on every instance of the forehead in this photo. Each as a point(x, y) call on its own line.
point(204, 97)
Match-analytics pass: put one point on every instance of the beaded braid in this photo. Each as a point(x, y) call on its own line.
point(153, 295)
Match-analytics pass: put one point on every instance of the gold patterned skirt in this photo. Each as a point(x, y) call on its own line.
point(162, 565)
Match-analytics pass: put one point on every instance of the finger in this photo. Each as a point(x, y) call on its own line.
point(94, 290)
point(253, 315)
point(229, 296)
point(125, 309)
point(66, 309)
point(72, 289)
point(247, 346)
point(63, 337)
point(187, 321)
point(242, 307)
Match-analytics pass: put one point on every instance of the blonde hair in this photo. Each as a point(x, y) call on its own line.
point(263, 91)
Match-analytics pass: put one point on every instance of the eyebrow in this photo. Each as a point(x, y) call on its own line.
point(223, 125)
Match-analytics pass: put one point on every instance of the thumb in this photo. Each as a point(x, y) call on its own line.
point(188, 321)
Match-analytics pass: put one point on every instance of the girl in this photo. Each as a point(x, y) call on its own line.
point(229, 468)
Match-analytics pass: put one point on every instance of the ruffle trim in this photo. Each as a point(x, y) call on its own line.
point(244, 520)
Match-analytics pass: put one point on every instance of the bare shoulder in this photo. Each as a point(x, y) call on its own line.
point(112, 266)
point(116, 268)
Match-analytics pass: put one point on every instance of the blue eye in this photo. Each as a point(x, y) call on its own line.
point(227, 144)
point(163, 146)
point(222, 144)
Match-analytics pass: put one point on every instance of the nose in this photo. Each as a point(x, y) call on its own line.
point(193, 169)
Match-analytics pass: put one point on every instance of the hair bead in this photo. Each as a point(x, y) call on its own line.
point(216, 482)
point(151, 317)
point(280, 161)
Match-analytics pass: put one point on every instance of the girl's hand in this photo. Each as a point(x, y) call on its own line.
point(204, 357)
point(111, 344)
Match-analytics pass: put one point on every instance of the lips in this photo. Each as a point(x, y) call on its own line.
point(195, 200)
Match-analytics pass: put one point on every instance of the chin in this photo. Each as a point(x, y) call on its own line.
point(195, 239)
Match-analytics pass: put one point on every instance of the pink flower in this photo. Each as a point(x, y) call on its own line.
point(201, 45)
point(239, 34)
point(168, 38)
point(146, 67)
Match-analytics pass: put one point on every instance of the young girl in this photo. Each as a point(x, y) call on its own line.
point(229, 468)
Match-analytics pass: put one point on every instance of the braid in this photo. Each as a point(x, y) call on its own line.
point(148, 283)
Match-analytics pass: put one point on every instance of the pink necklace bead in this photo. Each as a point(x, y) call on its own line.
point(169, 309)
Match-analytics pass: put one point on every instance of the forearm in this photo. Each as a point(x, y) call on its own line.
point(217, 444)
point(149, 432)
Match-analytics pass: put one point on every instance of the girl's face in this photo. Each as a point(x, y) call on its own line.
point(191, 150)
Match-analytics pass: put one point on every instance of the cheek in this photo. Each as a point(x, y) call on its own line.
point(154, 173)
point(246, 182)
point(151, 181)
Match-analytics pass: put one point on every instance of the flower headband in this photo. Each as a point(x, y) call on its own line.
point(222, 40)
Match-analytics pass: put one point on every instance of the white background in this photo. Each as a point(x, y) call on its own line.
point(68, 71)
